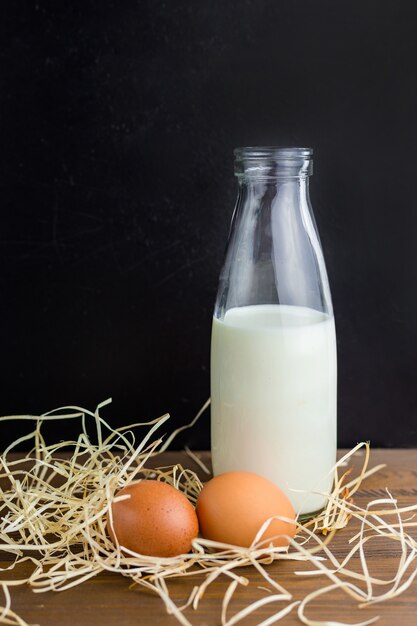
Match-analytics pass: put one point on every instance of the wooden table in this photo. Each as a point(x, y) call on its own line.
point(107, 599)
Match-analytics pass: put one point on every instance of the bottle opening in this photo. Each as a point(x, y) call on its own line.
point(273, 162)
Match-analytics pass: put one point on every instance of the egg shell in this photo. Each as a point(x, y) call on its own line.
point(232, 507)
point(156, 519)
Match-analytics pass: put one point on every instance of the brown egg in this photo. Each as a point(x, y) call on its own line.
point(232, 507)
point(156, 520)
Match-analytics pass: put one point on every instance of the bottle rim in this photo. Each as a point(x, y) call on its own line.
point(272, 152)
point(273, 162)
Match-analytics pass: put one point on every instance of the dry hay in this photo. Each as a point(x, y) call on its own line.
point(55, 509)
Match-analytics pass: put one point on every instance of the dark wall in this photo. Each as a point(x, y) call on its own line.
point(117, 125)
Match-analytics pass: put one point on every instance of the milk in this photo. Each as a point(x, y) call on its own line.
point(273, 394)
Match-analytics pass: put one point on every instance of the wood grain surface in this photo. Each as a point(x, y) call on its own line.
point(107, 599)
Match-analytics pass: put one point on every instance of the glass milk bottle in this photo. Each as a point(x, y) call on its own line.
point(273, 352)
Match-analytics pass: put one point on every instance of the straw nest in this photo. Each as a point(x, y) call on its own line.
point(54, 510)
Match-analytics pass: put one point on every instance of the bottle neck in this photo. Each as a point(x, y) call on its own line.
point(263, 191)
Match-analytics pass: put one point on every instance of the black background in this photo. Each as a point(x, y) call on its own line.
point(117, 125)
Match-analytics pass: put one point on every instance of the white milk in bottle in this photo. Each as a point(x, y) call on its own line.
point(273, 386)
